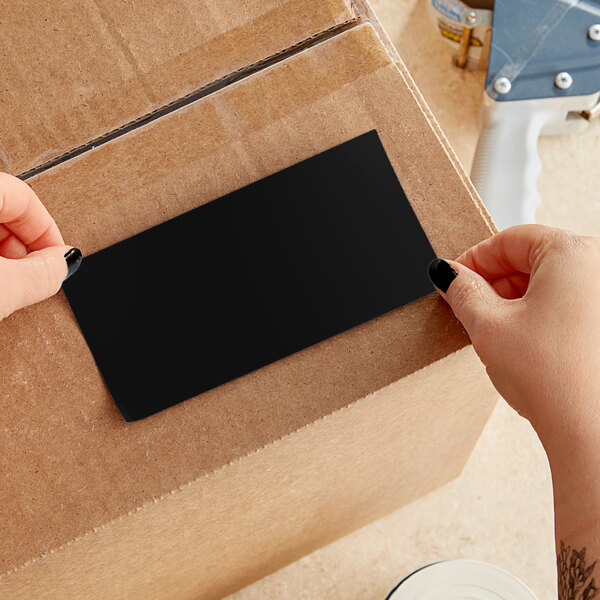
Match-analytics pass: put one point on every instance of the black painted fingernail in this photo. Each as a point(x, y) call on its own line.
point(73, 258)
point(442, 273)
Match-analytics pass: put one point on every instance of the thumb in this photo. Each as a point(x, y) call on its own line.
point(472, 299)
point(38, 276)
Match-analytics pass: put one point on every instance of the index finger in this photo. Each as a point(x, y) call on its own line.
point(24, 215)
point(513, 250)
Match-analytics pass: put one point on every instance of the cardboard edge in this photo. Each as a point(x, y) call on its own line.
point(416, 375)
point(365, 9)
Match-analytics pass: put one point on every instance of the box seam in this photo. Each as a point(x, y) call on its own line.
point(196, 95)
point(187, 484)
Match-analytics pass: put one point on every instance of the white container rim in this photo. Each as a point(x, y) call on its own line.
point(458, 579)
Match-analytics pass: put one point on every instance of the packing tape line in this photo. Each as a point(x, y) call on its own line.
point(196, 95)
point(524, 53)
point(192, 482)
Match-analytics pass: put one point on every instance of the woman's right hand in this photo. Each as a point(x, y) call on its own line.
point(529, 298)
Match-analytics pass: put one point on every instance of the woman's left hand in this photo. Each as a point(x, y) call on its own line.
point(34, 259)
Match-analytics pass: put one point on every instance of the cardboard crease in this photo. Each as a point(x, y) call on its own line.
point(368, 14)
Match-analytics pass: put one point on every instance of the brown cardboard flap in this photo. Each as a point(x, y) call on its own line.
point(69, 462)
point(74, 70)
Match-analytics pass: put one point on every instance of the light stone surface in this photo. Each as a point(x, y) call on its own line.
point(500, 509)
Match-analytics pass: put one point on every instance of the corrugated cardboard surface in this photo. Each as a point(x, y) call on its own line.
point(74, 70)
point(84, 496)
point(69, 462)
point(281, 501)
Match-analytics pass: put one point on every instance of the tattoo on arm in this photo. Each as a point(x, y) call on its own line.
point(575, 581)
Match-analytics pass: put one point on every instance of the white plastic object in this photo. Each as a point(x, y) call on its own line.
point(461, 580)
point(506, 163)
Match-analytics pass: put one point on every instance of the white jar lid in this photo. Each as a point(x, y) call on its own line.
point(461, 580)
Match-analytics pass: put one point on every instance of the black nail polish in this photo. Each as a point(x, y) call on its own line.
point(442, 273)
point(73, 258)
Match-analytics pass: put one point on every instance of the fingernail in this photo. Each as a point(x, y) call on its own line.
point(442, 273)
point(73, 258)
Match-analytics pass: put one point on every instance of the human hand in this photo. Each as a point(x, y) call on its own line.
point(529, 298)
point(34, 259)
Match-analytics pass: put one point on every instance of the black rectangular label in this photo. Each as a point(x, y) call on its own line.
point(250, 278)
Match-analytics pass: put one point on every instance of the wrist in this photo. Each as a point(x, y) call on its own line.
point(566, 425)
point(573, 452)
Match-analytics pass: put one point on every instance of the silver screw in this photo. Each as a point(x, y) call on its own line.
point(594, 32)
point(563, 80)
point(502, 85)
point(471, 18)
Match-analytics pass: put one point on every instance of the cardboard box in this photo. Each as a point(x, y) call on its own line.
point(199, 500)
